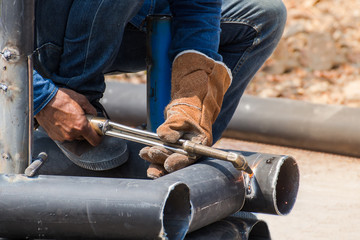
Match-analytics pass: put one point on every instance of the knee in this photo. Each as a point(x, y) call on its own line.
point(274, 16)
point(274, 19)
point(270, 20)
point(262, 15)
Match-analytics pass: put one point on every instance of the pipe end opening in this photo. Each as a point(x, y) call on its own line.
point(287, 186)
point(177, 212)
point(259, 231)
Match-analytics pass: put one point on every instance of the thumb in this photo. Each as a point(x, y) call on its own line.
point(167, 134)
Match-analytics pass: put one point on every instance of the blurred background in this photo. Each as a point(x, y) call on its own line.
point(318, 58)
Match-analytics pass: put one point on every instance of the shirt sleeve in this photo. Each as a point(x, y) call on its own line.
point(196, 26)
point(44, 91)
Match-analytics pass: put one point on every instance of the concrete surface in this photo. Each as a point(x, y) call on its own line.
point(328, 203)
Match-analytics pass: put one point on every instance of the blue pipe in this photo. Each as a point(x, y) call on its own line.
point(158, 69)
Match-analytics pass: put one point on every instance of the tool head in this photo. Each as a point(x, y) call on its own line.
point(99, 124)
point(239, 162)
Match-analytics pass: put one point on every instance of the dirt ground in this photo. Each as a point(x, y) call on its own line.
point(328, 203)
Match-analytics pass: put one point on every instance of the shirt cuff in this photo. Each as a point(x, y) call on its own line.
point(44, 91)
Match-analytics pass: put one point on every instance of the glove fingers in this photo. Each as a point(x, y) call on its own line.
point(155, 154)
point(144, 154)
point(179, 124)
point(167, 134)
point(177, 161)
point(155, 171)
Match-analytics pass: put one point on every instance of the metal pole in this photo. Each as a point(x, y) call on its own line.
point(16, 45)
point(158, 69)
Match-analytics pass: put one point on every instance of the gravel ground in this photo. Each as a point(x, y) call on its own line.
point(318, 58)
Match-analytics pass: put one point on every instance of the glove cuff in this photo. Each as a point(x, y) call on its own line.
point(204, 55)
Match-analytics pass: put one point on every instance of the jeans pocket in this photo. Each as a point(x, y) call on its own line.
point(47, 59)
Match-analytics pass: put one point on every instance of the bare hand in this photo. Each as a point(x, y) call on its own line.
point(63, 118)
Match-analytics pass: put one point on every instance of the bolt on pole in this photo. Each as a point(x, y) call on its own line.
point(16, 91)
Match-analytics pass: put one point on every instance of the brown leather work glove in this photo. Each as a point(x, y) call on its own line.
point(198, 86)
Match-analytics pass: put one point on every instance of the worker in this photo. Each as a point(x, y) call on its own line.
point(217, 47)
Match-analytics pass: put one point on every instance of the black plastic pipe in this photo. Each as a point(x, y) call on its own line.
point(63, 207)
point(233, 228)
point(320, 127)
point(217, 189)
point(126, 102)
point(96, 207)
point(16, 46)
point(274, 188)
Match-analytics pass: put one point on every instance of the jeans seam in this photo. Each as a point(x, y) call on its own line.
point(256, 40)
point(40, 66)
point(142, 26)
point(45, 45)
point(241, 21)
point(88, 45)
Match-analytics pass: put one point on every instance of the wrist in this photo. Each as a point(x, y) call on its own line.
point(44, 91)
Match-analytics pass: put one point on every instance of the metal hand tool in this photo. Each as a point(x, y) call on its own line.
point(106, 127)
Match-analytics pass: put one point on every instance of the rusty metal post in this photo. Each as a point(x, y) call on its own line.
point(16, 45)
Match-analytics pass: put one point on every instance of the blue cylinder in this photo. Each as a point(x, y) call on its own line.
point(158, 69)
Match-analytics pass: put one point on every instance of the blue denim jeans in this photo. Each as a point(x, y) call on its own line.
point(77, 56)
